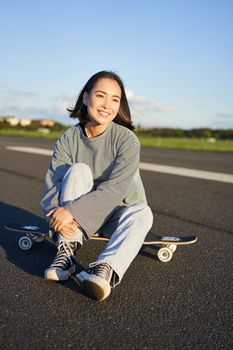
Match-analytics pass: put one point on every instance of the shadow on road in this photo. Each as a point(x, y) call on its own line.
point(39, 257)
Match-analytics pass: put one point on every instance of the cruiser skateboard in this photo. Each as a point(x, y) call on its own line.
point(34, 234)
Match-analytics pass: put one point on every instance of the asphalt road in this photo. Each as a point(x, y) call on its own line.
point(183, 304)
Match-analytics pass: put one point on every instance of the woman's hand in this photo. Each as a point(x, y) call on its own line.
point(69, 230)
point(60, 217)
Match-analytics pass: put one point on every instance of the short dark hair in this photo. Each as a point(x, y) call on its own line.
point(123, 116)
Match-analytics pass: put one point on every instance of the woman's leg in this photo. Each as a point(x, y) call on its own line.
point(130, 226)
point(76, 182)
point(133, 223)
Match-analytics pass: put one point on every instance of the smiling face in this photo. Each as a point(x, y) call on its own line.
point(103, 102)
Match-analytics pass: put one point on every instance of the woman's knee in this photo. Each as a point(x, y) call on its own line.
point(77, 181)
point(143, 212)
point(148, 216)
point(80, 169)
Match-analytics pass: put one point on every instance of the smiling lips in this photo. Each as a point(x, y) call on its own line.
point(104, 114)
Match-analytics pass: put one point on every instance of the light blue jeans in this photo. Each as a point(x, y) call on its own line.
point(126, 227)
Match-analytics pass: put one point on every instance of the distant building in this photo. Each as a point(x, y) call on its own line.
point(47, 122)
point(12, 121)
point(25, 122)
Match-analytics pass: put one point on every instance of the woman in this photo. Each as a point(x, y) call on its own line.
point(93, 185)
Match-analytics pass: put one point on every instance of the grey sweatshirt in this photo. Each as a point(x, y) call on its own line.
point(113, 158)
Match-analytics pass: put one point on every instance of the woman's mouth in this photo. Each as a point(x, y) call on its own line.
point(104, 114)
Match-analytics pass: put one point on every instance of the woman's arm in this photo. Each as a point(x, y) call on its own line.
point(93, 208)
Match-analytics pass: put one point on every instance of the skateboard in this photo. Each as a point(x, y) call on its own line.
point(34, 234)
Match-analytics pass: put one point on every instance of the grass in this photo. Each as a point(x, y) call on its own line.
point(146, 140)
point(187, 143)
point(53, 135)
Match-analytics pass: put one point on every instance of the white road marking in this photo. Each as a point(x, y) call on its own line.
point(199, 174)
point(165, 169)
point(41, 151)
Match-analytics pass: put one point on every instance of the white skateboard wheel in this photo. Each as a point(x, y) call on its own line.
point(25, 243)
point(165, 254)
point(173, 247)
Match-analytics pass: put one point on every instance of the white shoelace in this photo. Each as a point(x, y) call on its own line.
point(63, 256)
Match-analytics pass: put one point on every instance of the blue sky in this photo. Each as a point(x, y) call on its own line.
point(174, 56)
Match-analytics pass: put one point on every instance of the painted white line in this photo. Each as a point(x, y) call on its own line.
point(199, 174)
point(41, 151)
point(165, 169)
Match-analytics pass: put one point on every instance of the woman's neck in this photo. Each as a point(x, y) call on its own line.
point(94, 130)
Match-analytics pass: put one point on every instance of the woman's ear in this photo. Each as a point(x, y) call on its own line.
point(85, 97)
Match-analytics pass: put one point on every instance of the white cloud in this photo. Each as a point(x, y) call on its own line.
point(222, 120)
point(224, 115)
point(61, 103)
point(148, 111)
point(145, 104)
point(25, 104)
point(19, 103)
point(23, 111)
point(7, 93)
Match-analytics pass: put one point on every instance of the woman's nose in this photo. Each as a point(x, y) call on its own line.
point(106, 103)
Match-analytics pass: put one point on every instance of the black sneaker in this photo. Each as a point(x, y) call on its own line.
point(64, 263)
point(96, 281)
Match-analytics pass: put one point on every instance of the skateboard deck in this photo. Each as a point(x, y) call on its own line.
point(34, 234)
point(152, 239)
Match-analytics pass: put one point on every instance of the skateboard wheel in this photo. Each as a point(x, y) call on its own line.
point(165, 254)
point(25, 243)
point(173, 247)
